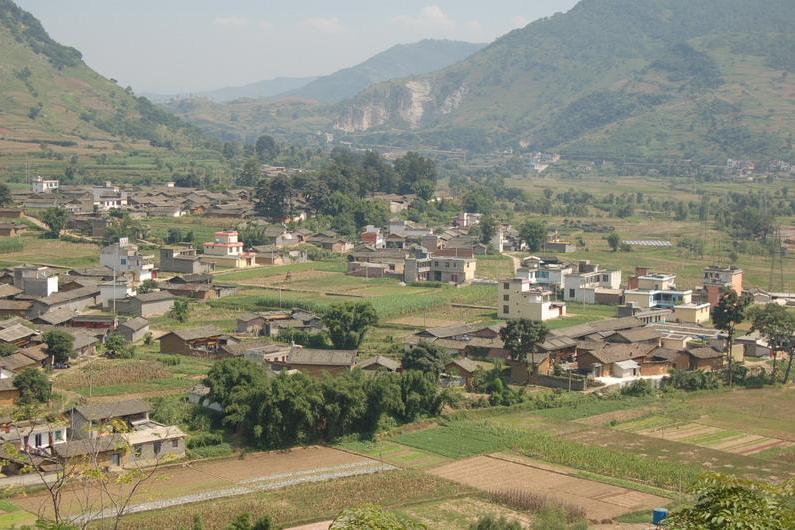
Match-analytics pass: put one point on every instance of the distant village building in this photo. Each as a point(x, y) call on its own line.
point(518, 298)
point(718, 280)
point(184, 260)
point(227, 251)
point(593, 285)
point(124, 258)
point(156, 303)
point(43, 185)
point(457, 271)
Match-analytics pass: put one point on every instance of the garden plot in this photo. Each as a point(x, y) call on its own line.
point(702, 435)
point(497, 473)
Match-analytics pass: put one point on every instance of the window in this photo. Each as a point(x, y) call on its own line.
point(115, 459)
point(158, 446)
point(38, 439)
point(505, 297)
point(505, 285)
point(58, 435)
point(175, 443)
point(505, 309)
point(571, 293)
point(137, 450)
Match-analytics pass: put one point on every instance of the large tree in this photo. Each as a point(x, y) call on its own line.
point(413, 169)
point(5, 194)
point(426, 358)
point(274, 198)
point(730, 311)
point(777, 325)
point(250, 173)
point(266, 148)
point(534, 233)
point(521, 337)
point(614, 241)
point(60, 345)
point(348, 322)
point(33, 386)
point(55, 219)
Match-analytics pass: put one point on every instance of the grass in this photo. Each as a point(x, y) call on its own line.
point(394, 453)
point(307, 502)
point(36, 249)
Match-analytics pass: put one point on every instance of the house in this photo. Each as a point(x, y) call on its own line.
point(35, 281)
point(59, 317)
point(718, 280)
point(8, 392)
point(44, 185)
point(113, 290)
point(8, 291)
point(656, 290)
point(98, 324)
point(517, 298)
point(108, 197)
point(84, 343)
point(18, 335)
point(548, 273)
point(197, 291)
point(227, 251)
point(299, 319)
point(598, 358)
point(330, 241)
point(15, 308)
point(205, 341)
point(193, 279)
point(379, 363)
point(90, 420)
point(16, 362)
point(592, 285)
point(34, 435)
point(147, 305)
point(134, 329)
point(634, 335)
point(12, 229)
point(75, 300)
point(38, 353)
point(11, 213)
point(755, 345)
point(523, 371)
point(597, 329)
point(460, 372)
point(152, 442)
point(316, 362)
point(184, 260)
point(458, 271)
point(273, 255)
point(256, 323)
point(705, 358)
point(692, 313)
point(124, 258)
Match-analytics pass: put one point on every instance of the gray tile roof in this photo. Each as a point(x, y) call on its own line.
point(113, 409)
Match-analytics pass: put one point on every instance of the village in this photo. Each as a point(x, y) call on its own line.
point(203, 279)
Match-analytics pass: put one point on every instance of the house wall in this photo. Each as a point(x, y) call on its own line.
point(76, 305)
point(153, 309)
point(133, 336)
point(172, 344)
point(319, 370)
point(655, 368)
point(695, 315)
point(8, 397)
point(169, 449)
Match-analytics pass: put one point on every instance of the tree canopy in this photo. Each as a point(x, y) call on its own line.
point(348, 322)
point(33, 386)
point(522, 336)
point(534, 233)
point(60, 345)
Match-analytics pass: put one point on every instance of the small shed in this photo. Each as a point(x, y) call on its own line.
point(134, 329)
point(628, 368)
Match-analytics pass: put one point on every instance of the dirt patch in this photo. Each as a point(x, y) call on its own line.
point(679, 432)
point(599, 501)
point(617, 416)
point(188, 478)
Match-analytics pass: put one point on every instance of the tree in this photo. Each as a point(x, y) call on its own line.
point(347, 323)
point(534, 233)
point(55, 219)
point(522, 336)
point(117, 346)
point(491, 522)
point(426, 358)
point(5, 194)
point(7, 349)
point(274, 198)
point(174, 236)
point(725, 502)
point(180, 311)
point(777, 325)
point(33, 386)
point(488, 227)
point(730, 311)
point(60, 345)
point(244, 522)
point(413, 169)
point(372, 517)
point(266, 148)
point(614, 241)
point(147, 286)
point(250, 173)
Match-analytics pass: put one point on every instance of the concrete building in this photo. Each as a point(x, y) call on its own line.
point(124, 258)
point(36, 281)
point(43, 185)
point(518, 298)
point(692, 313)
point(590, 283)
point(454, 270)
point(111, 291)
point(184, 260)
point(227, 251)
point(147, 305)
point(134, 329)
point(666, 299)
point(108, 197)
point(718, 280)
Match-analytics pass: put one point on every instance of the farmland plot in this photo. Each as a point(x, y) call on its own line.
point(497, 473)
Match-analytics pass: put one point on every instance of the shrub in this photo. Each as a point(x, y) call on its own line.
point(491, 522)
point(205, 439)
point(638, 388)
point(527, 501)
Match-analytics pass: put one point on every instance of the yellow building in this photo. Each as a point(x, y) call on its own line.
point(692, 313)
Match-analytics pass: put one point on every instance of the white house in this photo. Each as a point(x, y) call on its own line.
point(43, 185)
point(124, 258)
point(518, 298)
point(589, 282)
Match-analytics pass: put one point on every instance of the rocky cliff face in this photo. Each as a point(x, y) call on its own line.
point(410, 104)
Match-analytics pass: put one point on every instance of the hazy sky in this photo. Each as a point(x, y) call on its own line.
point(169, 46)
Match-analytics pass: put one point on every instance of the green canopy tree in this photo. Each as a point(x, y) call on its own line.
point(55, 219)
point(777, 325)
point(33, 386)
point(348, 323)
point(614, 241)
point(59, 344)
point(5, 194)
point(250, 173)
point(266, 148)
point(180, 311)
point(426, 358)
point(730, 311)
point(522, 336)
point(274, 197)
point(534, 233)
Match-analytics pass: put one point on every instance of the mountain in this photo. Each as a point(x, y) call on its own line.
point(49, 97)
point(260, 89)
point(701, 79)
point(398, 61)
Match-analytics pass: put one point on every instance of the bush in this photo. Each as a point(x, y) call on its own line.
point(205, 439)
point(491, 522)
point(692, 380)
point(212, 451)
point(638, 388)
